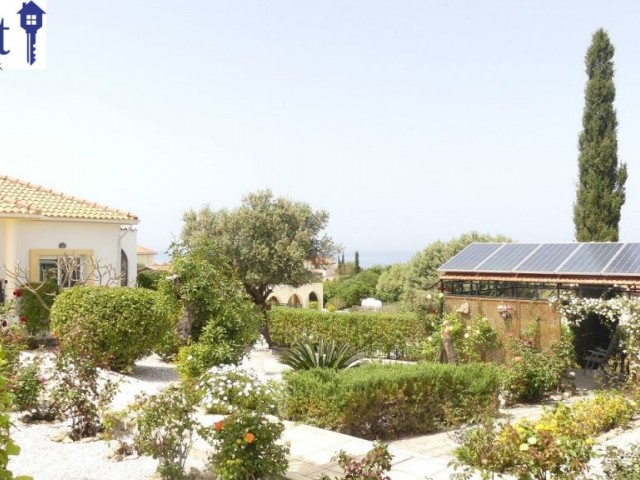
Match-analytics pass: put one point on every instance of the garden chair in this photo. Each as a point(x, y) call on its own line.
point(599, 357)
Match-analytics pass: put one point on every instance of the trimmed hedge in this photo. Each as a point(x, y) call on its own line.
point(113, 327)
point(390, 401)
point(373, 333)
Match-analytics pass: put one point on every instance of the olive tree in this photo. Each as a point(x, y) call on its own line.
point(266, 241)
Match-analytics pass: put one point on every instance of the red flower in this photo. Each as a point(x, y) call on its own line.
point(249, 437)
point(4, 323)
point(17, 293)
point(218, 425)
point(23, 319)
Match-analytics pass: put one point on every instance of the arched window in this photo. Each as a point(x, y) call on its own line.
point(124, 269)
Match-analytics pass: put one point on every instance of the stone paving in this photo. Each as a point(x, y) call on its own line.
point(313, 450)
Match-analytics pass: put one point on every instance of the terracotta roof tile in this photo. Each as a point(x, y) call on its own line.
point(140, 250)
point(22, 198)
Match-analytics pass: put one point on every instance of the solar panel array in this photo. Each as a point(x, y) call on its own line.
point(607, 259)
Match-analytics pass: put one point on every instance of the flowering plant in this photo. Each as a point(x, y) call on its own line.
point(505, 311)
point(246, 447)
point(625, 312)
point(228, 388)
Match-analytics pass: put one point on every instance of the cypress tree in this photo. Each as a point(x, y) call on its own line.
point(356, 263)
point(600, 192)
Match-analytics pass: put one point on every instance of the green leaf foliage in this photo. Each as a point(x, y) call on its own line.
point(8, 447)
point(266, 240)
point(375, 334)
point(422, 271)
point(247, 446)
point(35, 307)
point(600, 193)
point(306, 356)
point(114, 327)
point(209, 290)
point(391, 283)
point(389, 401)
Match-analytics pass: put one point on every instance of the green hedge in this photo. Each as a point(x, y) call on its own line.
point(112, 327)
point(372, 333)
point(390, 401)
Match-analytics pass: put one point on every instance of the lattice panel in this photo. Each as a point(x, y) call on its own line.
point(525, 313)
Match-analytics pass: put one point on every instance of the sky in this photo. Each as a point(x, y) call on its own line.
point(408, 121)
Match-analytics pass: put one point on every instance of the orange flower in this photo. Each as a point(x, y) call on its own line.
point(249, 437)
point(218, 425)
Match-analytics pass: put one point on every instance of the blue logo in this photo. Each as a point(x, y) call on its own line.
point(15, 53)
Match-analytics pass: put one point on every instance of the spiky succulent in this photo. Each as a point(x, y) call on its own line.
point(306, 356)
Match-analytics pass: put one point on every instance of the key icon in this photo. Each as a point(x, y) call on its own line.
point(31, 22)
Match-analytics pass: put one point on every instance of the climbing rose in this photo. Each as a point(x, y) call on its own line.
point(249, 437)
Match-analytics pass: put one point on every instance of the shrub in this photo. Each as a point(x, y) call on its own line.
point(523, 450)
point(230, 388)
point(166, 424)
point(603, 412)
point(213, 348)
point(246, 447)
point(472, 340)
point(373, 466)
point(34, 305)
point(387, 401)
point(13, 339)
point(374, 334)
point(530, 372)
point(113, 327)
point(8, 447)
point(621, 464)
point(29, 391)
point(80, 394)
point(306, 356)
point(558, 445)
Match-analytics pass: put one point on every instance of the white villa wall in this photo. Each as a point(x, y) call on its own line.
point(104, 239)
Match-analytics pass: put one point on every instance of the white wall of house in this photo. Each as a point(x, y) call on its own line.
point(20, 236)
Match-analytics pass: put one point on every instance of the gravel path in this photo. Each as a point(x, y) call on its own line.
point(45, 459)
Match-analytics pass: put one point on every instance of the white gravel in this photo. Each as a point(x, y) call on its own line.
point(44, 459)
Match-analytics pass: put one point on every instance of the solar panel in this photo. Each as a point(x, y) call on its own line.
point(547, 258)
point(509, 256)
point(471, 256)
point(590, 258)
point(627, 261)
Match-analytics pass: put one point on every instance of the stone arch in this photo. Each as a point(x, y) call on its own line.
point(313, 297)
point(294, 301)
point(273, 301)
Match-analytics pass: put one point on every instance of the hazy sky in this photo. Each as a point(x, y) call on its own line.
point(408, 121)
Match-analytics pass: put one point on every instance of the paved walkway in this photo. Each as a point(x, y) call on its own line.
point(313, 450)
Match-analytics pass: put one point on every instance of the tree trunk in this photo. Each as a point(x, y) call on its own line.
point(259, 296)
point(185, 325)
point(452, 356)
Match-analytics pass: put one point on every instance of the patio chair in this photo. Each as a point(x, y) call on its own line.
point(599, 357)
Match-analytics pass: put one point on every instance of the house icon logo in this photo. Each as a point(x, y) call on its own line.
point(23, 31)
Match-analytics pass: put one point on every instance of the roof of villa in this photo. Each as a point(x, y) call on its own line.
point(140, 250)
point(22, 199)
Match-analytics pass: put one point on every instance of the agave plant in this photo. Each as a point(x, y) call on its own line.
point(323, 354)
